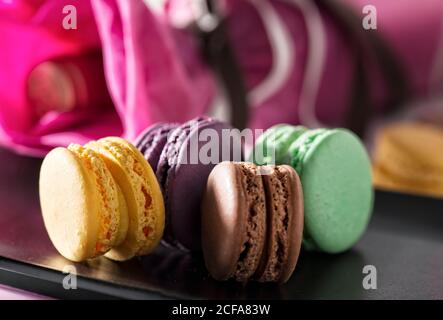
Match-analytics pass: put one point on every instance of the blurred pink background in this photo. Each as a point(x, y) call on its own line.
point(132, 63)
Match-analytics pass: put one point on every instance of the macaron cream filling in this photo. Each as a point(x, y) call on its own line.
point(107, 189)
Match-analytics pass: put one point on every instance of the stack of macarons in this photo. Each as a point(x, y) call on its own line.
point(408, 157)
point(252, 222)
point(101, 199)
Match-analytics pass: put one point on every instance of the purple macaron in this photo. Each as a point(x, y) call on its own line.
point(182, 172)
point(174, 152)
point(152, 140)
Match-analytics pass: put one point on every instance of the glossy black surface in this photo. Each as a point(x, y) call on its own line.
point(404, 242)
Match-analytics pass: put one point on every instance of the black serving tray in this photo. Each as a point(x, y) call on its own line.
point(404, 242)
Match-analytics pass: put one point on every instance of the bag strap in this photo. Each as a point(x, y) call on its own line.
point(220, 56)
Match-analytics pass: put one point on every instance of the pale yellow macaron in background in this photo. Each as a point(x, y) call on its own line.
point(143, 196)
point(101, 198)
point(408, 157)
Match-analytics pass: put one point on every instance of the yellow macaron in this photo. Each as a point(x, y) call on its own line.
point(101, 198)
point(142, 193)
point(83, 209)
point(408, 157)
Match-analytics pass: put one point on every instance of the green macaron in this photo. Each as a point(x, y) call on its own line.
point(273, 145)
point(334, 169)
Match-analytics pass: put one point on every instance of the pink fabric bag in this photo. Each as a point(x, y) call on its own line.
point(155, 73)
point(150, 78)
point(31, 33)
point(296, 59)
point(299, 62)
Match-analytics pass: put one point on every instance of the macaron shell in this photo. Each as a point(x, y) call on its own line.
point(223, 221)
point(152, 141)
point(295, 222)
point(183, 182)
point(338, 194)
point(123, 161)
point(300, 147)
point(157, 209)
point(284, 205)
point(409, 157)
point(233, 221)
point(69, 205)
point(405, 148)
point(424, 185)
point(166, 173)
point(131, 244)
point(145, 138)
point(107, 197)
point(187, 188)
point(274, 144)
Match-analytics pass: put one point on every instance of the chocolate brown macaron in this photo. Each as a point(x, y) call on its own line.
point(252, 222)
